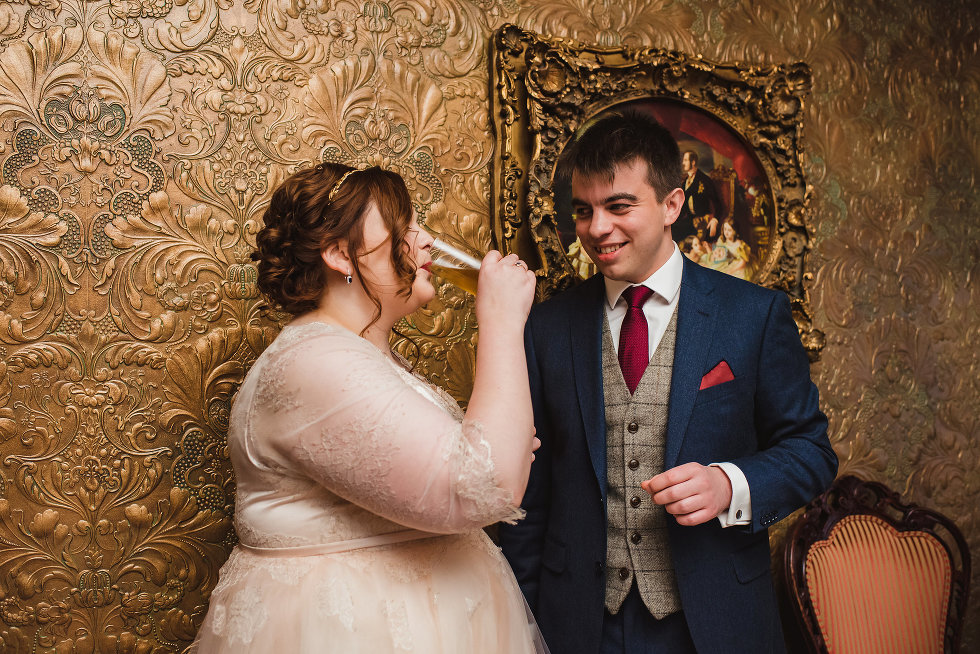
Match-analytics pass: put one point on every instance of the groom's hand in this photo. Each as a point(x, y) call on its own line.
point(692, 493)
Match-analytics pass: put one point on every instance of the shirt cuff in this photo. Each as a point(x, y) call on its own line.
point(740, 510)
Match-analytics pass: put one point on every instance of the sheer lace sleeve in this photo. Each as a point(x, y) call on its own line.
point(354, 424)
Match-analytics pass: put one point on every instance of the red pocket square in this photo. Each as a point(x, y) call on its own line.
point(717, 375)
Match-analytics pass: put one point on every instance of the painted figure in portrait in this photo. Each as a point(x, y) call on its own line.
point(702, 206)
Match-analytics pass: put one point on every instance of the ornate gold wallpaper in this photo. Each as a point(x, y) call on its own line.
point(139, 144)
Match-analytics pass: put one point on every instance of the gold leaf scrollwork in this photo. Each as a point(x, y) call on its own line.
point(31, 300)
point(614, 24)
point(166, 249)
point(372, 113)
point(202, 380)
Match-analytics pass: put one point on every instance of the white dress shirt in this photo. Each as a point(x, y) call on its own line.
point(665, 283)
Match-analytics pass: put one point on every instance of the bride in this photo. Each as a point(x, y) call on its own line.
point(361, 488)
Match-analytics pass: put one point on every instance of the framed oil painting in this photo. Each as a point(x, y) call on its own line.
point(739, 127)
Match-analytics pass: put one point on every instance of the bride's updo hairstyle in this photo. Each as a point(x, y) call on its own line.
point(316, 207)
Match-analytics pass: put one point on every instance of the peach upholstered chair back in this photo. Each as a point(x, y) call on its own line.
point(872, 575)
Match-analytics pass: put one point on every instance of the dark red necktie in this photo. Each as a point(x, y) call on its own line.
point(634, 342)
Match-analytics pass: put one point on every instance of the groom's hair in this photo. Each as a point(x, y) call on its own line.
point(621, 138)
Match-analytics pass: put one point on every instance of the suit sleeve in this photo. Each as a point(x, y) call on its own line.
point(523, 543)
point(795, 461)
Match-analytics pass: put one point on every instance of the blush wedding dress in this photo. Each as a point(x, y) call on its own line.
point(361, 493)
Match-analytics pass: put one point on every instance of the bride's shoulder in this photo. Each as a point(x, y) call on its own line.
point(317, 357)
point(318, 344)
point(321, 336)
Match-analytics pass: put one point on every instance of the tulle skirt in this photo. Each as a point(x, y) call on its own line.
point(440, 595)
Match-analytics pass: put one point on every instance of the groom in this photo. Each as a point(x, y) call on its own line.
point(677, 420)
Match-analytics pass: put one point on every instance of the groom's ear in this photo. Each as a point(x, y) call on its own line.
point(673, 203)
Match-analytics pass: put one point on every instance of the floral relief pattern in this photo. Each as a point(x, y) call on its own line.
point(608, 23)
point(139, 146)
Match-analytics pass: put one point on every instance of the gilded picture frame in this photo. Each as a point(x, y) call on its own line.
point(745, 121)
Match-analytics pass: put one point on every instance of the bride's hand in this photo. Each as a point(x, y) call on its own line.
point(505, 291)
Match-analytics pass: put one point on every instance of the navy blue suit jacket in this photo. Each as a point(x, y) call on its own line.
point(766, 421)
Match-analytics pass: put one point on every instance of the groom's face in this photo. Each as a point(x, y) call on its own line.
point(622, 224)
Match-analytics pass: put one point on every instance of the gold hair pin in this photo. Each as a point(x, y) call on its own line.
point(336, 187)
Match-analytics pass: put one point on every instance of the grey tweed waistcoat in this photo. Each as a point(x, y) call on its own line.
point(636, 429)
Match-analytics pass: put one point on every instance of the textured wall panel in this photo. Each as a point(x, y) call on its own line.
point(139, 144)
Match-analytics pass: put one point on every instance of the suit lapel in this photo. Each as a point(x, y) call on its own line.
point(695, 330)
point(586, 340)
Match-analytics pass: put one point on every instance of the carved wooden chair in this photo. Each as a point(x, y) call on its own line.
point(872, 575)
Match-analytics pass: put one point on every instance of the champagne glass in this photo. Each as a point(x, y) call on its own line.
point(455, 263)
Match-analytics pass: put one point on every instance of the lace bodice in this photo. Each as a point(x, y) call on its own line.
point(332, 440)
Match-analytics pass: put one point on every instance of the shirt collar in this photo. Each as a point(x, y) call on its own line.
point(665, 281)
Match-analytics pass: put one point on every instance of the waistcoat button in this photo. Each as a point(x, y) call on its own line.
point(633, 427)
